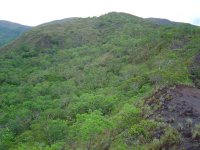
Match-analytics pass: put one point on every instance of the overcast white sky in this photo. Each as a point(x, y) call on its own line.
point(35, 12)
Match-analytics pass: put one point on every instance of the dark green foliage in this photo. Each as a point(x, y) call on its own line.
point(74, 84)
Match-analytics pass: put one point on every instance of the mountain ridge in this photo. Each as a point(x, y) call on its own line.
point(46, 37)
point(49, 40)
point(9, 31)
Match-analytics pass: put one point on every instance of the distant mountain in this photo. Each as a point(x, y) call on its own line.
point(10, 31)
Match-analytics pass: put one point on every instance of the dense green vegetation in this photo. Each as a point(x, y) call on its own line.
point(10, 31)
point(78, 83)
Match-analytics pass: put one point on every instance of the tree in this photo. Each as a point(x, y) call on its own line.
point(56, 130)
point(6, 138)
point(88, 126)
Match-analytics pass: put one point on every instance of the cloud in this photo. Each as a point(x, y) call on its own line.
point(196, 21)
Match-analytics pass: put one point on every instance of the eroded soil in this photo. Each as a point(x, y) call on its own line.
point(178, 106)
point(195, 71)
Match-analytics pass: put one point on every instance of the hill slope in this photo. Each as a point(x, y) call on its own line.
point(160, 21)
point(10, 31)
point(81, 83)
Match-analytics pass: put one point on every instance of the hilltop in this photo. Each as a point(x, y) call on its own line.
point(10, 31)
point(75, 32)
point(100, 83)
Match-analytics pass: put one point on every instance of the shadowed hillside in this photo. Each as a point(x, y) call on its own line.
point(83, 83)
point(10, 31)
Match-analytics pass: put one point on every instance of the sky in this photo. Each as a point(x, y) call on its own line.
point(35, 12)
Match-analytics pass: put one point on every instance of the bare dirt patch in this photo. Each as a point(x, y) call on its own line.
point(195, 71)
point(178, 106)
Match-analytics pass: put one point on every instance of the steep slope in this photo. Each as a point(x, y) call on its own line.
point(80, 83)
point(10, 31)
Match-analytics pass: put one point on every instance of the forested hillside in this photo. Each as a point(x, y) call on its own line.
point(82, 83)
point(10, 31)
